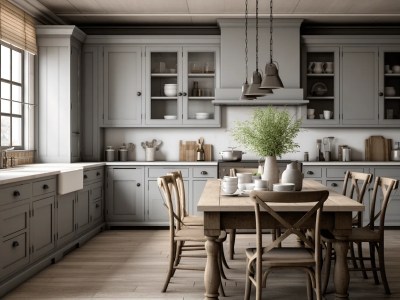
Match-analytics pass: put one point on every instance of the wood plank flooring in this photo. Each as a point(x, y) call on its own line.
point(131, 264)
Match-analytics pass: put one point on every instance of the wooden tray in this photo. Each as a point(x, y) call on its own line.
point(377, 148)
point(187, 151)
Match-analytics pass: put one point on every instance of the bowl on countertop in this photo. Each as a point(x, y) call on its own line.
point(283, 187)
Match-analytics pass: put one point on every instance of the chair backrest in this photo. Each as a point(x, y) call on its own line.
point(354, 186)
point(179, 194)
point(167, 186)
point(385, 186)
point(262, 201)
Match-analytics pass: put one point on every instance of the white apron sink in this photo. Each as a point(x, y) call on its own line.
point(69, 180)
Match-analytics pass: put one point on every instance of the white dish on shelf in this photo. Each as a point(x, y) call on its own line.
point(202, 116)
point(170, 89)
point(170, 117)
point(319, 89)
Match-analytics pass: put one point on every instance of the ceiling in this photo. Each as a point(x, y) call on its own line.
point(206, 12)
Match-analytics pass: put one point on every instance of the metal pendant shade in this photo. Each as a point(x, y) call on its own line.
point(271, 79)
point(254, 88)
point(243, 96)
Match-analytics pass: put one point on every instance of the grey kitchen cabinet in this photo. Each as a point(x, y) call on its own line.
point(83, 209)
point(369, 88)
point(200, 175)
point(360, 85)
point(125, 194)
point(122, 94)
point(194, 73)
point(59, 58)
point(66, 218)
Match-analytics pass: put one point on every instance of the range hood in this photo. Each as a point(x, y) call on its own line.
point(232, 61)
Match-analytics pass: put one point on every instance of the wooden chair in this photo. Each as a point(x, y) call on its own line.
point(263, 259)
point(373, 233)
point(184, 241)
point(355, 185)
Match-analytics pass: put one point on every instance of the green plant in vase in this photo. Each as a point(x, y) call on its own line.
point(270, 133)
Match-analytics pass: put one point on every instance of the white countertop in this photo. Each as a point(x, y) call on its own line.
point(351, 163)
point(162, 163)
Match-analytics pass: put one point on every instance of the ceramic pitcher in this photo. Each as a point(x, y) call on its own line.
point(318, 67)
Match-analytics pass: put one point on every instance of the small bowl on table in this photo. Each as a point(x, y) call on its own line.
point(283, 187)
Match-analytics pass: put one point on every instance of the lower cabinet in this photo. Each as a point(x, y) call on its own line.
point(133, 197)
point(83, 209)
point(66, 218)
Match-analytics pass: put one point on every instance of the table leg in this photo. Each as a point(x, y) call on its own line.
point(212, 277)
point(341, 271)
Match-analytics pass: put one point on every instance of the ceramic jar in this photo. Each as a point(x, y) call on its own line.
point(318, 67)
point(271, 171)
point(292, 174)
point(390, 91)
point(328, 67)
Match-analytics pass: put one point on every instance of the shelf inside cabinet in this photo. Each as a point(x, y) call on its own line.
point(393, 98)
point(201, 75)
point(320, 98)
point(163, 98)
point(201, 98)
point(320, 75)
point(164, 74)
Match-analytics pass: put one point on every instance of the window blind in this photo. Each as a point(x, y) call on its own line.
point(17, 27)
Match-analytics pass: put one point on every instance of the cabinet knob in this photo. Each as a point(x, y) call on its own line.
point(180, 94)
point(45, 186)
point(137, 184)
point(16, 193)
point(203, 172)
point(15, 244)
point(334, 184)
point(98, 174)
point(310, 172)
point(184, 94)
point(85, 176)
point(380, 94)
point(139, 93)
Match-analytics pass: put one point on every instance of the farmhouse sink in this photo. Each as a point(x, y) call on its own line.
point(69, 180)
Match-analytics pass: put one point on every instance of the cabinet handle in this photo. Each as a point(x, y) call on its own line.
point(138, 184)
point(310, 172)
point(184, 94)
point(85, 176)
point(380, 94)
point(16, 193)
point(45, 187)
point(334, 184)
point(98, 174)
point(15, 244)
point(139, 93)
point(180, 94)
point(203, 172)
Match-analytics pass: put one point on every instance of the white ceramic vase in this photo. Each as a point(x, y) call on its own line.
point(292, 174)
point(271, 171)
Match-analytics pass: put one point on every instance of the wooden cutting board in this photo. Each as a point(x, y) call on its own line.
point(187, 151)
point(377, 148)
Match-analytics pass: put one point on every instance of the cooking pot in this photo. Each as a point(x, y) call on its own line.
point(231, 155)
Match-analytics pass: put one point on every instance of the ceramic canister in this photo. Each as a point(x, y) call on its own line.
point(292, 174)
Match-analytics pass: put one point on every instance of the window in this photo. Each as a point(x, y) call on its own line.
point(12, 96)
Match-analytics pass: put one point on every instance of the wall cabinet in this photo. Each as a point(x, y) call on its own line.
point(191, 75)
point(363, 89)
point(59, 58)
point(133, 197)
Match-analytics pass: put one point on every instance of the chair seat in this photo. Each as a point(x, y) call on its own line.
point(357, 235)
point(195, 234)
point(193, 220)
point(281, 257)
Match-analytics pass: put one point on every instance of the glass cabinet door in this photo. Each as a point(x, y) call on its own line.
point(200, 79)
point(164, 85)
point(390, 86)
point(320, 69)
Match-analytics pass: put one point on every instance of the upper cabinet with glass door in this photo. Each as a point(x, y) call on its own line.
point(390, 94)
point(320, 82)
point(180, 86)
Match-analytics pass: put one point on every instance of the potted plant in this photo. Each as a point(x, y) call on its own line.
point(270, 133)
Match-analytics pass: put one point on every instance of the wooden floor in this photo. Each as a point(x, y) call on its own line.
point(122, 264)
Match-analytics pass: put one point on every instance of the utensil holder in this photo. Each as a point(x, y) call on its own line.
point(149, 153)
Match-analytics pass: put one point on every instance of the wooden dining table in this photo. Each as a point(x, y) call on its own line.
point(229, 212)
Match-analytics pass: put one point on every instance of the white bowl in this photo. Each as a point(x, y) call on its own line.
point(170, 89)
point(229, 189)
point(283, 187)
point(260, 189)
point(170, 117)
point(202, 116)
point(244, 177)
point(249, 186)
point(230, 179)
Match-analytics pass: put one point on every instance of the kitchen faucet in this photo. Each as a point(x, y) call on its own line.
point(3, 156)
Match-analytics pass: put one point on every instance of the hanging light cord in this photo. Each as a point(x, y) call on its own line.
point(270, 31)
point(246, 50)
point(256, 35)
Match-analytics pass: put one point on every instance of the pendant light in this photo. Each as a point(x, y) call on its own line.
point(271, 79)
point(245, 85)
point(254, 88)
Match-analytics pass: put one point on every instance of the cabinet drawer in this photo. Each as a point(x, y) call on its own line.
point(340, 172)
point(15, 193)
point(205, 172)
point(97, 191)
point(96, 211)
point(157, 172)
point(14, 254)
point(312, 172)
point(44, 186)
point(14, 220)
point(336, 185)
point(92, 175)
point(388, 172)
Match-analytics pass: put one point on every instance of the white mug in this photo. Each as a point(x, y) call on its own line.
point(327, 114)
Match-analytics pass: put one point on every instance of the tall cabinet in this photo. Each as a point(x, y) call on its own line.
point(59, 58)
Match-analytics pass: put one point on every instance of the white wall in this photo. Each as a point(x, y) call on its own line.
point(221, 139)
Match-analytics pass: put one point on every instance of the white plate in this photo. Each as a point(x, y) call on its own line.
point(170, 117)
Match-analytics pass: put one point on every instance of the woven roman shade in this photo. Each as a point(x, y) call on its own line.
point(17, 27)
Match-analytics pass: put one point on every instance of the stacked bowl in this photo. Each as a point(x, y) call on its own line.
point(170, 89)
point(229, 184)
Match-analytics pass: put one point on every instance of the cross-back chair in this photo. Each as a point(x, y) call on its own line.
point(373, 233)
point(275, 254)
